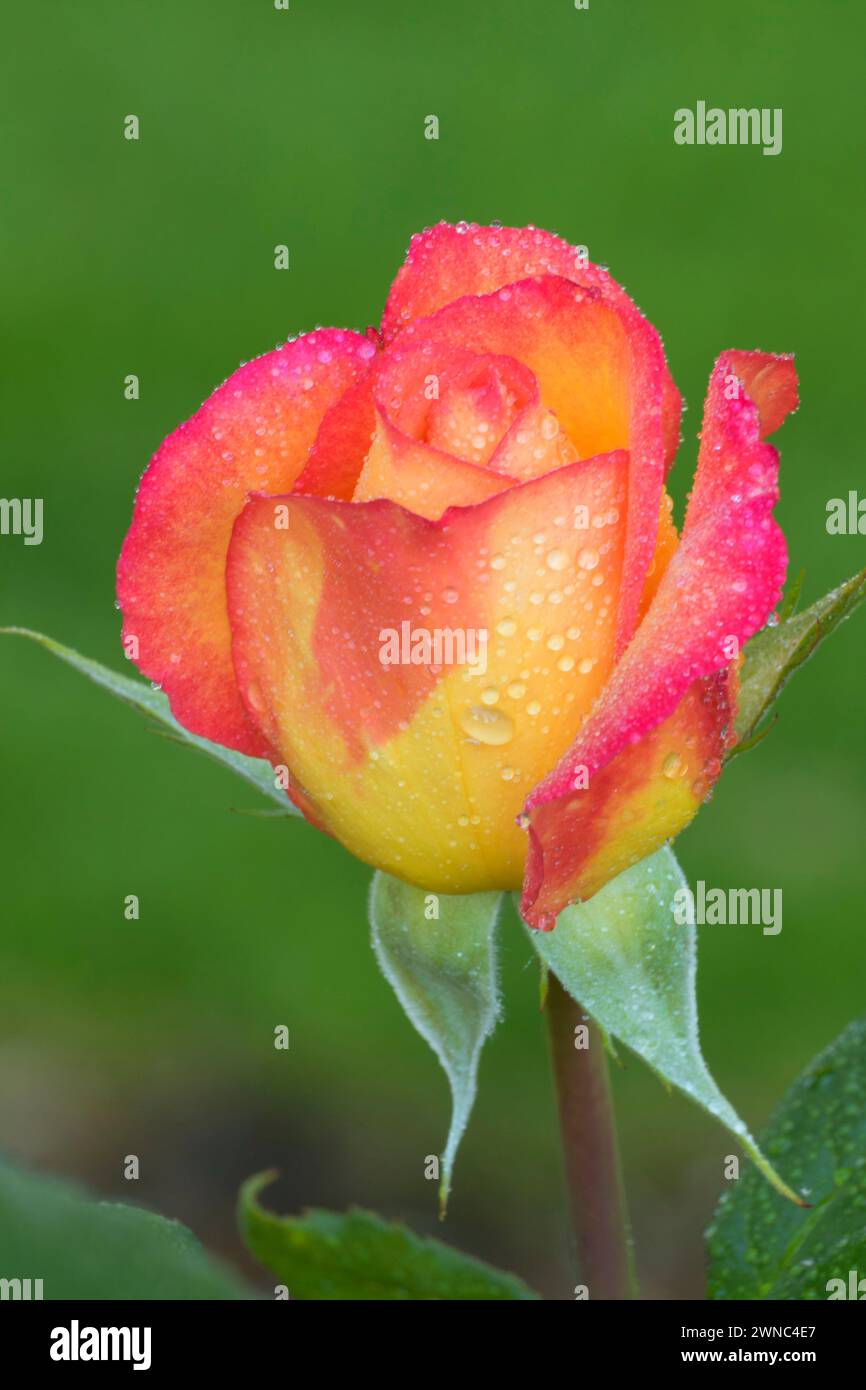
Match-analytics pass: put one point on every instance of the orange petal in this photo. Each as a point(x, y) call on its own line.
point(600, 370)
point(477, 406)
point(422, 479)
point(770, 382)
point(639, 769)
point(254, 432)
point(645, 794)
point(422, 768)
point(667, 543)
point(341, 444)
point(448, 261)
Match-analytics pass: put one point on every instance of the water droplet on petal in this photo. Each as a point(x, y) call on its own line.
point(492, 727)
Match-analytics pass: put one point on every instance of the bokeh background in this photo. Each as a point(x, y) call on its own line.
point(306, 127)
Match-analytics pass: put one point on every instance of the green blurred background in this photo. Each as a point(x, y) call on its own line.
point(306, 127)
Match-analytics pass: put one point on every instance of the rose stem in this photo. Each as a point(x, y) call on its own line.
point(592, 1168)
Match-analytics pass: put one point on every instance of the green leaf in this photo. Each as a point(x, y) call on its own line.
point(83, 1248)
point(624, 956)
point(761, 1247)
point(443, 971)
point(771, 658)
point(155, 705)
point(326, 1255)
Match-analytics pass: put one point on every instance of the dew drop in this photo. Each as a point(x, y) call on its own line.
point(492, 727)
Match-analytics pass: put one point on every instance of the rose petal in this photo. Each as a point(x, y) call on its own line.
point(254, 432)
point(574, 343)
point(732, 465)
point(460, 402)
point(534, 445)
point(600, 368)
point(342, 443)
point(667, 544)
point(422, 479)
point(770, 382)
point(719, 588)
point(622, 812)
point(422, 772)
point(446, 262)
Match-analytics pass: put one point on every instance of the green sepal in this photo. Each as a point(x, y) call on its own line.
point(443, 970)
point(629, 958)
point(775, 653)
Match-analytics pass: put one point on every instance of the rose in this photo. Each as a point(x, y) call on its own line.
point(494, 462)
